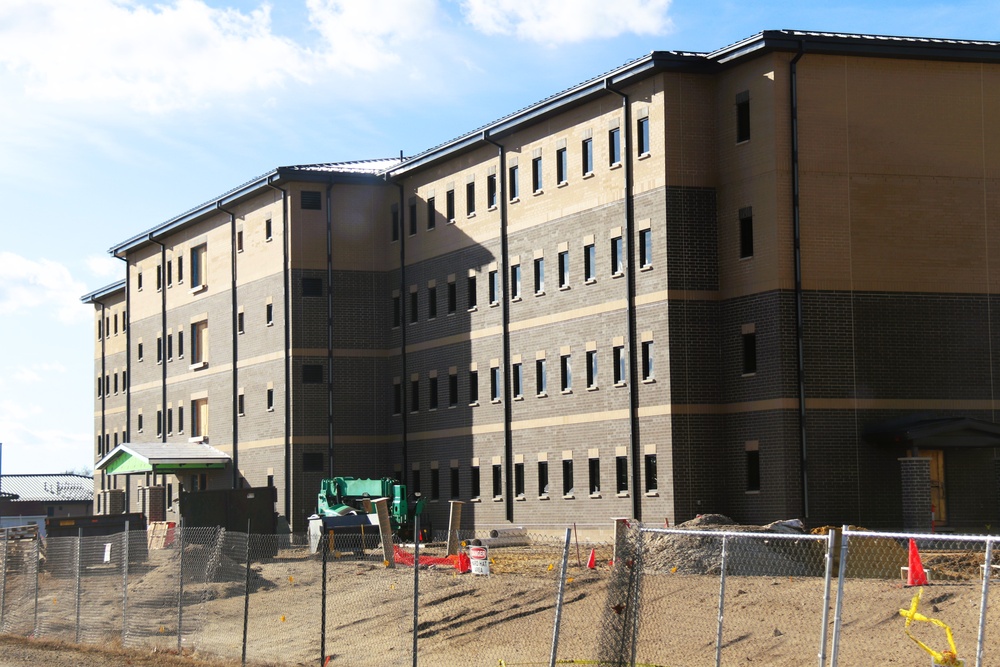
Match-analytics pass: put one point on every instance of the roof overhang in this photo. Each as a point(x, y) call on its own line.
point(104, 292)
point(925, 432)
point(162, 458)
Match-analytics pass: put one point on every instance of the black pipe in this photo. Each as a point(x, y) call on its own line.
point(128, 353)
point(797, 249)
point(508, 436)
point(633, 371)
point(402, 329)
point(104, 393)
point(162, 351)
point(329, 327)
point(286, 278)
point(235, 360)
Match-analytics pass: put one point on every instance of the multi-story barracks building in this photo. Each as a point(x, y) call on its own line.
point(761, 281)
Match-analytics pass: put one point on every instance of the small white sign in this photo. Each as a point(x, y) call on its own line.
point(107, 552)
point(479, 558)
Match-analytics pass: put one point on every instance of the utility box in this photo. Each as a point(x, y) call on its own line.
point(96, 526)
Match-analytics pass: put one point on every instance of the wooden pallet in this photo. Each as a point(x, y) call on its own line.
point(19, 533)
point(160, 534)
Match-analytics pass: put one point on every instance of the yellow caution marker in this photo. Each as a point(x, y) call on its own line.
point(947, 658)
point(282, 618)
point(550, 567)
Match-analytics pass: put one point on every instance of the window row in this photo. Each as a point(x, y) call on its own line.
point(197, 272)
point(104, 445)
point(165, 420)
point(165, 350)
point(109, 385)
point(109, 325)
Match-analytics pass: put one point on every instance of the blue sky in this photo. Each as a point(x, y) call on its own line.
point(116, 115)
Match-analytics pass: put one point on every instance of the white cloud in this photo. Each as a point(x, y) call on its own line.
point(27, 284)
point(106, 267)
point(566, 21)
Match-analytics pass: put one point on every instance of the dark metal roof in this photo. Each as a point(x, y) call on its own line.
point(49, 488)
point(107, 290)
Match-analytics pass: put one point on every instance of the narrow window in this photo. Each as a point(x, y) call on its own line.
point(618, 361)
point(240, 404)
point(100, 329)
point(621, 474)
point(432, 394)
point(473, 387)
point(415, 395)
point(268, 230)
point(470, 198)
point(180, 420)
point(472, 292)
point(587, 150)
point(565, 373)
point(138, 280)
point(543, 478)
point(591, 369)
point(540, 380)
point(617, 256)
point(589, 263)
point(397, 397)
point(413, 219)
point(199, 342)
point(170, 347)
point(180, 268)
point(414, 307)
point(753, 466)
point(494, 287)
point(107, 385)
point(312, 374)
point(743, 116)
point(115, 382)
point(511, 184)
point(199, 418)
point(199, 275)
point(159, 277)
point(435, 483)
point(397, 312)
point(452, 297)
point(474, 482)
point(455, 489)
point(239, 326)
point(180, 343)
point(567, 466)
point(311, 200)
point(395, 223)
point(115, 320)
point(268, 314)
point(746, 232)
point(170, 264)
point(562, 166)
point(650, 461)
point(515, 282)
point(495, 384)
point(749, 353)
point(519, 480)
point(497, 482)
point(452, 389)
point(432, 303)
point(138, 351)
point(647, 360)
point(491, 191)
point(159, 349)
point(170, 423)
point(563, 269)
point(536, 175)
point(138, 422)
point(270, 400)
point(450, 205)
point(100, 387)
point(431, 214)
point(594, 476)
point(645, 248)
point(239, 248)
point(540, 275)
point(642, 135)
point(124, 380)
point(614, 147)
point(517, 380)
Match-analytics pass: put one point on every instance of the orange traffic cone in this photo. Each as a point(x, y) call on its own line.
point(592, 561)
point(915, 575)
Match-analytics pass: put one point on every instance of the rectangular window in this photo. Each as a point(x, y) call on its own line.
point(397, 311)
point(589, 263)
point(415, 395)
point(431, 214)
point(642, 136)
point(100, 387)
point(268, 230)
point(540, 380)
point(138, 351)
point(432, 398)
point(587, 152)
point(311, 200)
point(159, 277)
point(515, 282)
point(138, 280)
point(472, 292)
point(495, 385)
point(749, 353)
point(618, 362)
point(395, 223)
point(470, 198)
point(270, 400)
point(591, 369)
point(474, 482)
point(621, 474)
point(491, 191)
point(650, 460)
point(159, 349)
point(100, 329)
point(199, 269)
point(115, 320)
point(239, 326)
point(567, 469)
point(565, 373)
point(645, 248)
point(473, 387)
point(511, 185)
point(743, 116)
point(536, 175)
point(124, 380)
point(414, 307)
point(312, 374)
point(753, 467)
point(543, 478)
point(138, 422)
point(170, 423)
point(450, 205)
point(452, 297)
point(518, 480)
point(517, 380)
point(617, 256)
point(397, 398)
point(239, 248)
point(240, 404)
point(563, 269)
point(170, 264)
point(199, 418)
point(115, 382)
point(494, 287)
point(540, 275)
point(746, 232)
point(199, 342)
point(562, 166)
point(180, 343)
point(180, 419)
point(180, 269)
point(413, 219)
point(170, 347)
point(432, 303)
point(647, 360)
point(594, 470)
point(497, 482)
point(268, 314)
point(614, 147)
point(435, 483)
point(455, 489)
point(452, 389)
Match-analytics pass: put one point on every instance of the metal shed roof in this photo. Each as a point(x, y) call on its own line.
point(49, 488)
point(162, 457)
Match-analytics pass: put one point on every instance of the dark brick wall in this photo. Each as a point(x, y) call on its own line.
point(692, 243)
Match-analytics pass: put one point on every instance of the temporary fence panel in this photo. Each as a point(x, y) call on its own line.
point(57, 590)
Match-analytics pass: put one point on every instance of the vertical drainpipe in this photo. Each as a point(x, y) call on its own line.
point(128, 359)
point(402, 326)
point(508, 438)
point(633, 371)
point(104, 370)
point(286, 286)
point(163, 343)
point(329, 326)
point(797, 245)
point(236, 356)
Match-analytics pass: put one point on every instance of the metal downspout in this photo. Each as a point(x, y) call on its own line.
point(508, 437)
point(329, 327)
point(633, 371)
point(402, 330)
point(128, 361)
point(104, 393)
point(286, 286)
point(236, 346)
point(162, 352)
point(796, 233)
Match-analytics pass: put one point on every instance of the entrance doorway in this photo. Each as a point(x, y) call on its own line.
point(939, 498)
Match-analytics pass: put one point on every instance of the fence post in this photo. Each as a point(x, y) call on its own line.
point(79, 576)
point(840, 596)
point(559, 600)
point(125, 541)
point(722, 600)
point(827, 576)
point(322, 614)
point(416, 581)
point(180, 589)
point(3, 582)
point(246, 598)
point(984, 601)
point(38, 550)
point(637, 569)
